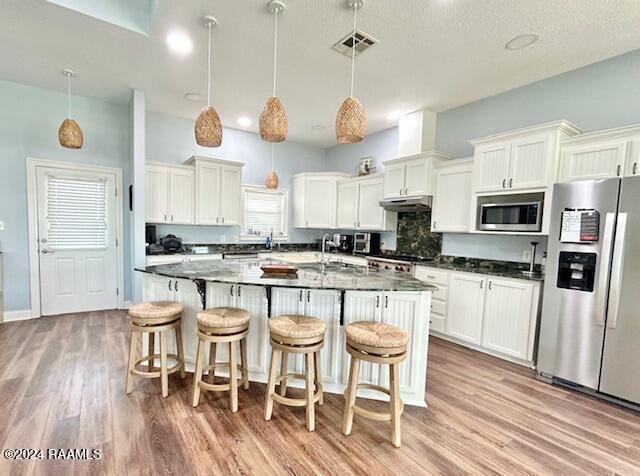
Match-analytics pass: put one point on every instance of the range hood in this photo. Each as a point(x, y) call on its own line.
point(407, 204)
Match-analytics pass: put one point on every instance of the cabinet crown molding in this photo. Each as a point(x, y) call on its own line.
point(192, 160)
point(562, 126)
point(323, 174)
point(606, 134)
point(432, 154)
point(362, 178)
point(154, 163)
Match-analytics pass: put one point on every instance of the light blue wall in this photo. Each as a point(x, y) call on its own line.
point(29, 121)
point(170, 139)
point(599, 96)
point(346, 157)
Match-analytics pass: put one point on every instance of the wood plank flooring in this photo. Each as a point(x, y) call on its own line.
point(62, 386)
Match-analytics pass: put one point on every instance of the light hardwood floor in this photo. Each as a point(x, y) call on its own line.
point(62, 386)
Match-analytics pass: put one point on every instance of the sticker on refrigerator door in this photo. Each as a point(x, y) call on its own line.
point(580, 226)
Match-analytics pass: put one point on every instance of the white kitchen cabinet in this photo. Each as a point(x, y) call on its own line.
point(410, 176)
point(155, 260)
point(218, 191)
point(314, 199)
point(466, 306)
point(438, 305)
point(169, 194)
point(507, 316)
point(359, 205)
point(523, 159)
point(452, 196)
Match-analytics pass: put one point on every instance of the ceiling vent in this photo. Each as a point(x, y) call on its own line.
point(363, 43)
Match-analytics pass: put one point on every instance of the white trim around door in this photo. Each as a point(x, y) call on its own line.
point(32, 209)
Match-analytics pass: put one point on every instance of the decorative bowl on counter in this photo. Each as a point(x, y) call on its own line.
point(278, 269)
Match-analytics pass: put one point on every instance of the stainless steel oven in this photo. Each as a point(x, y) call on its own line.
point(521, 216)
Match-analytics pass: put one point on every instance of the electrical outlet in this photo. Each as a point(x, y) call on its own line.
point(526, 255)
point(1, 225)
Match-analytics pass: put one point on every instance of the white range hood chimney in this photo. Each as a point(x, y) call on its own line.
point(416, 133)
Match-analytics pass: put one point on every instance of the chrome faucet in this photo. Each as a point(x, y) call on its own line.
point(325, 242)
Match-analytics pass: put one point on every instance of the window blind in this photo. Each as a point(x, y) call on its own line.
point(76, 213)
point(264, 211)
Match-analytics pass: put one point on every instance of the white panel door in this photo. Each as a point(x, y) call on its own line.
point(77, 240)
point(230, 189)
point(416, 178)
point(451, 201)
point(347, 214)
point(360, 306)
point(156, 194)
point(530, 161)
point(601, 159)
point(465, 306)
point(319, 206)
point(507, 317)
point(491, 167)
point(325, 305)
point(181, 197)
point(394, 180)
point(207, 194)
point(254, 300)
point(370, 213)
point(400, 310)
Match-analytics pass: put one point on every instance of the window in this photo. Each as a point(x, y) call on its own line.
point(264, 211)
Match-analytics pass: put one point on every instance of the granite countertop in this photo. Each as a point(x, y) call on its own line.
point(217, 248)
point(507, 269)
point(310, 275)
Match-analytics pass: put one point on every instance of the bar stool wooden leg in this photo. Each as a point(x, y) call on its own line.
point(350, 396)
point(133, 344)
point(271, 385)
point(152, 350)
point(243, 363)
point(233, 377)
point(164, 377)
point(284, 365)
point(395, 404)
point(197, 375)
point(318, 377)
point(180, 350)
point(310, 380)
point(212, 362)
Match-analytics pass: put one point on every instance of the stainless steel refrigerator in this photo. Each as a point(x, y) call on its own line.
point(590, 326)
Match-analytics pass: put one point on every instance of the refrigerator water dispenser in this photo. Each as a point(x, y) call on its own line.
point(576, 271)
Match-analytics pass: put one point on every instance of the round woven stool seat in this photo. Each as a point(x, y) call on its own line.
point(155, 309)
point(297, 327)
point(224, 317)
point(376, 334)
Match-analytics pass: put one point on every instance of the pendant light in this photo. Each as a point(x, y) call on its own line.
point(351, 122)
point(273, 122)
point(208, 128)
point(272, 177)
point(69, 132)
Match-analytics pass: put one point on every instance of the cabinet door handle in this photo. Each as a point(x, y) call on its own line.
point(482, 284)
point(309, 295)
point(406, 191)
point(377, 301)
point(510, 183)
point(239, 287)
point(165, 217)
point(504, 183)
point(176, 285)
point(400, 190)
point(231, 290)
point(355, 225)
point(386, 302)
point(170, 286)
point(635, 168)
point(301, 291)
point(358, 224)
point(307, 223)
point(618, 168)
point(435, 224)
point(172, 217)
point(489, 285)
point(217, 219)
point(222, 219)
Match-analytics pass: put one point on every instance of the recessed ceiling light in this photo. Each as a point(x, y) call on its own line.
point(318, 127)
point(244, 121)
point(394, 115)
point(179, 43)
point(521, 41)
point(194, 97)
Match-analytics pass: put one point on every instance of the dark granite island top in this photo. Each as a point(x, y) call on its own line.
point(310, 275)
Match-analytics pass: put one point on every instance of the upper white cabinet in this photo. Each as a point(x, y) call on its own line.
point(218, 191)
point(169, 196)
point(359, 205)
point(452, 196)
point(519, 160)
point(410, 176)
point(314, 199)
point(603, 154)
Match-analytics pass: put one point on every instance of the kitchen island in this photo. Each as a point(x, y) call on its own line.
point(336, 293)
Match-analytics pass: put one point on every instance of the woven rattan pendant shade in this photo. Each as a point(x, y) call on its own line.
point(70, 134)
point(208, 128)
point(273, 123)
point(272, 180)
point(351, 122)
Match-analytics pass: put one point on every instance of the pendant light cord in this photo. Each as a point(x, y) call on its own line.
point(69, 96)
point(275, 50)
point(353, 47)
point(209, 68)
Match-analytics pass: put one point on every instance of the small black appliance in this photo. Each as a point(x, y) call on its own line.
point(150, 234)
point(346, 244)
point(171, 243)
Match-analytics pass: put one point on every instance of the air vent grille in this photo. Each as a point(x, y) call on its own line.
point(364, 41)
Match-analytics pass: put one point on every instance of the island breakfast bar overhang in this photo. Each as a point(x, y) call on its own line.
point(336, 293)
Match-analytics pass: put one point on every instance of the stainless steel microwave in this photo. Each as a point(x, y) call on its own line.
point(521, 216)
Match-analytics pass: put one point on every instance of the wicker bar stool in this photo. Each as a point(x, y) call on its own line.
point(382, 344)
point(220, 325)
point(296, 335)
point(150, 318)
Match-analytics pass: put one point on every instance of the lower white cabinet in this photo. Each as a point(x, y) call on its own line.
point(466, 305)
point(438, 310)
point(155, 260)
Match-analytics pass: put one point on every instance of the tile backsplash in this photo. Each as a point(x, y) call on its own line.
point(415, 237)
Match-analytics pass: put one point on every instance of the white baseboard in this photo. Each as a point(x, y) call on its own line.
point(126, 305)
point(10, 316)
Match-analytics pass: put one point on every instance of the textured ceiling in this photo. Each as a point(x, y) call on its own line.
point(435, 54)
